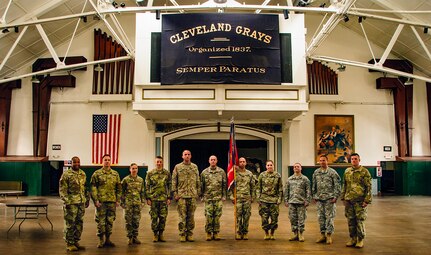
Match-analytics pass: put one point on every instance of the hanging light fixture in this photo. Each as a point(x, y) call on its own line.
point(341, 68)
point(34, 79)
point(98, 68)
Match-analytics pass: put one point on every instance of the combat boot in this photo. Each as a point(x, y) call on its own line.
point(322, 238)
point(209, 236)
point(301, 236)
point(245, 236)
point(272, 234)
point(71, 248)
point(360, 243)
point(155, 237)
point(294, 236)
point(101, 242)
point(108, 242)
point(136, 240)
point(328, 238)
point(130, 242)
point(351, 242)
point(182, 238)
point(190, 238)
point(238, 236)
point(161, 237)
point(216, 236)
point(266, 237)
point(79, 246)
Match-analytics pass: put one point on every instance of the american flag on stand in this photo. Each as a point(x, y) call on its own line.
point(106, 137)
point(232, 157)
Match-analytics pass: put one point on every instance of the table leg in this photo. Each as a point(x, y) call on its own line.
point(14, 220)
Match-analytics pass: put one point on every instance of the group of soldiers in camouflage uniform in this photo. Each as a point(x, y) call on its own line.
point(186, 185)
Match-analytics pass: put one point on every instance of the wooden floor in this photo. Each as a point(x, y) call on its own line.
point(396, 225)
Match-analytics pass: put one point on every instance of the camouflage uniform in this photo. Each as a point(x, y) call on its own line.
point(105, 188)
point(158, 190)
point(133, 196)
point(297, 192)
point(269, 193)
point(186, 185)
point(326, 186)
point(72, 192)
point(245, 183)
point(356, 190)
point(213, 183)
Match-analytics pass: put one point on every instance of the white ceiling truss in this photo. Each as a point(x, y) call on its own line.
point(37, 20)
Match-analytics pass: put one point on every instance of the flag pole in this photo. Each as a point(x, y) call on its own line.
point(231, 169)
point(234, 198)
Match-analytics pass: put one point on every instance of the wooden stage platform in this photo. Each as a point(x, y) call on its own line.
point(396, 225)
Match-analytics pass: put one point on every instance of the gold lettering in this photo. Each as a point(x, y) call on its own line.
point(267, 39)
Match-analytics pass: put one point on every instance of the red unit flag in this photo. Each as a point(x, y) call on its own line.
point(232, 157)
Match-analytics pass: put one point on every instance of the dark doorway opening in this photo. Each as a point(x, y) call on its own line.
point(255, 151)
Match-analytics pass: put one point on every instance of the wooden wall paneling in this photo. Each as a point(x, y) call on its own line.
point(409, 118)
point(108, 44)
point(112, 71)
point(36, 97)
point(96, 57)
point(132, 76)
point(5, 100)
point(118, 69)
point(123, 73)
point(102, 56)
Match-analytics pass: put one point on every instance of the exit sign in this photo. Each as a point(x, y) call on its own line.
point(56, 147)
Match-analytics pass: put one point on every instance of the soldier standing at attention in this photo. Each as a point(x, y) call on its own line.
point(158, 192)
point(132, 200)
point(213, 191)
point(297, 196)
point(106, 194)
point(325, 189)
point(245, 183)
point(356, 195)
point(186, 186)
point(269, 193)
point(72, 192)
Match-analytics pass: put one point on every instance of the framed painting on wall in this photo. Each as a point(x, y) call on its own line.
point(334, 136)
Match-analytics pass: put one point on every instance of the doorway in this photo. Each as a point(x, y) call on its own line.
point(255, 151)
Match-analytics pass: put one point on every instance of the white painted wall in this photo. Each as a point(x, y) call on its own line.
point(71, 112)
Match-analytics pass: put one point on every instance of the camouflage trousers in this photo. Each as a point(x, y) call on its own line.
point(132, 215)
point(105, 217)
point(73, 222)
point(356, 216)
point(243, 213)
point(186, 212)
point(158, 214)
point(213, 211)
point(297, 216)
point(325, 215)
point(269, 211)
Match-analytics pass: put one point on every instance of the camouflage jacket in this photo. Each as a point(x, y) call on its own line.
point(185, 180)
point(297, 190)
point(326, 184)
point(158, 185)
point(245, 184)
point(357, 185)
point(133, 190)
point(73, 187)
point(269, 188)
point(105, 186)
point(213, 184)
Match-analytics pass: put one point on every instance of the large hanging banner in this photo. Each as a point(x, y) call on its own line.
point(220, 48)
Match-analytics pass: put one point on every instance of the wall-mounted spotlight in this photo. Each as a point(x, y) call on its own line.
point(16, 29)
point(115, 4)
point(157, 14)
point(122, 5)
point(4, 31)
point(84, 19)
point(341, 68)
point(286, 14)
point(360, 19)
point(142, 2)
point(425, 30)
point(346, 18)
